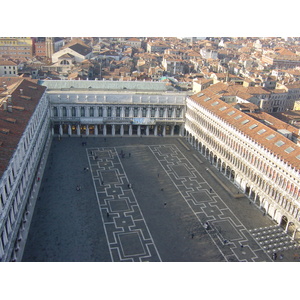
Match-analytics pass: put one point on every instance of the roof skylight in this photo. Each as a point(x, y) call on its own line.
point(261, 131)
point(253, 126)
point(271, 136)
point(245, 121)
point(279, 143)
point(289, 149)
point(238, 117)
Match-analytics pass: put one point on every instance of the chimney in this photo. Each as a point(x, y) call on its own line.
point(4, 105)
point(9, 103)
point(21, 91)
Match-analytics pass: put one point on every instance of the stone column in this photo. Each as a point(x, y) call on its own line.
point(96, 129)
point(78, 130)
point(69, 130)
point(122, 130)
point(122, 113)
point(104, 129)
point(113, 129)
point(147, 130)
point(172, 130)
point(130, 129)
point(139, 130)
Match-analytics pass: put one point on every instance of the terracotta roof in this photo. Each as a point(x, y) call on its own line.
point(264, 135)
point(15, 122)
point(7, 63)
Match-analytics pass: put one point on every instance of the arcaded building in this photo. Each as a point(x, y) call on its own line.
point(100, 108)
point(24, 135)
point(263, 162)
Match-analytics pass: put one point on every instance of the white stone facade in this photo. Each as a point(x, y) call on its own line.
point(76, 113)
point(17, 182)
point(264, 177)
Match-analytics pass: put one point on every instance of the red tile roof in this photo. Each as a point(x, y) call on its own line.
point(25, 96)
point(258, 132)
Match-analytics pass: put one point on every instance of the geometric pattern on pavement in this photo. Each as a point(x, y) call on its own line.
point(229, 235)
point(127, 234)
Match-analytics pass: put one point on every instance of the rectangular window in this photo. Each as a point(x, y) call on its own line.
point(144, 111)
point(152, 112)
point(126, 112)
point(161, 112)
point(100, 112)
point(91, 111)
point(118, 112)
point(109, 111)
point(82, 111)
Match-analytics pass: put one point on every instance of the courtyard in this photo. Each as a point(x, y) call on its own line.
point(141, 199)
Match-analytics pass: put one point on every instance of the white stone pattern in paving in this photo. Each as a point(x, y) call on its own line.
point(225, 229)
point(127, 234)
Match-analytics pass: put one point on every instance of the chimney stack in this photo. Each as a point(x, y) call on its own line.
point(9, 103)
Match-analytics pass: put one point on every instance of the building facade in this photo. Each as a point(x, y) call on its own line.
point(262, 162)
point(24, 135)
point(8, 68)
point(16, 48)
point(122, 108)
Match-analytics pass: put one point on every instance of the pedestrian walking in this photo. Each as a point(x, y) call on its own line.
point(192, 235)
point(107, 214)
point(129, 154)
point(210, 190)
point(165, 204)
point(281, 256)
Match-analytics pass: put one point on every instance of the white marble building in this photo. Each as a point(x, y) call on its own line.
point(262, 162)
point(17, 184)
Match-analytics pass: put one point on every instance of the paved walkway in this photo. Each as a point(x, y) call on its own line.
point(141, 199)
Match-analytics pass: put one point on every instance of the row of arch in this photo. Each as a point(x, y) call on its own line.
point(217, 135)
point(263, 193)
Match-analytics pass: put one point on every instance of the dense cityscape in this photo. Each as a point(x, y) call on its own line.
point(234, 102)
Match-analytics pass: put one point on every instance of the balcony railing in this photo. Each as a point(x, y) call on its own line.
point(116, 120)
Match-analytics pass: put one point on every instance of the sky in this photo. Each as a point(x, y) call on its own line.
point(149, 18)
